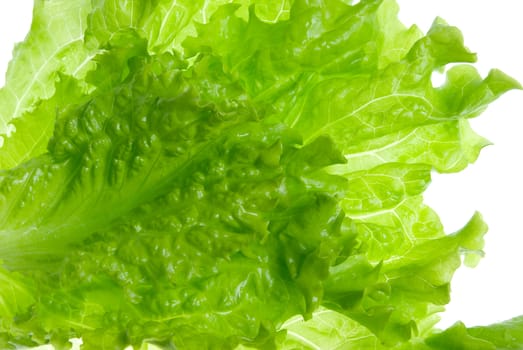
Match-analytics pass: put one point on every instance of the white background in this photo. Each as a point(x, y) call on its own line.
point(493, 185)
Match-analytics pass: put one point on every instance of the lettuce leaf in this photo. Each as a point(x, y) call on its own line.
point(331, 330)
point(214, 175)
point(501, 336)
point(54, 44)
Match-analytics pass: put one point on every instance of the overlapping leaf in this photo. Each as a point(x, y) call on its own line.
point(203, 175)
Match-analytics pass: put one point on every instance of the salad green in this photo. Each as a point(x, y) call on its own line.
point(234, 175)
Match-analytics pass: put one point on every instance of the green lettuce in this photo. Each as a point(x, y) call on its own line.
point(246, 174)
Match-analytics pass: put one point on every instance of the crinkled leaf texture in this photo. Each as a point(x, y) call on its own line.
point(207, 175)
